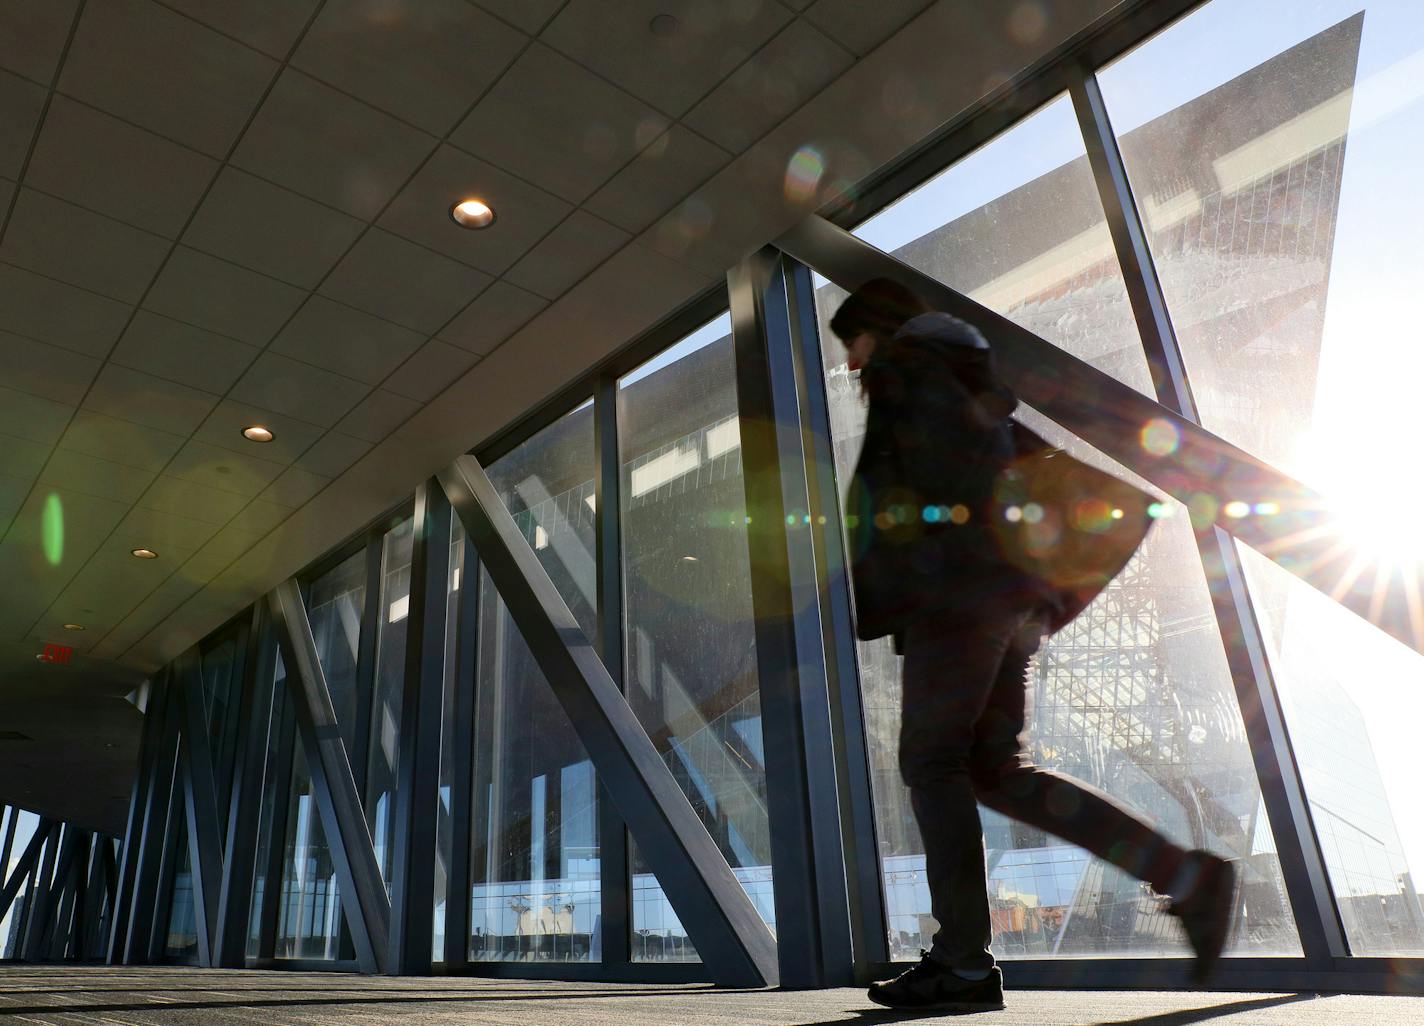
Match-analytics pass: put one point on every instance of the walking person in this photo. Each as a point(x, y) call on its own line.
point(930, 567)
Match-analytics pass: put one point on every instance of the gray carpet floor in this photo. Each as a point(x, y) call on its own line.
point(186, 997)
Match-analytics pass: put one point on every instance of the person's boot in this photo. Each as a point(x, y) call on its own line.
point(932, 986)
point(1205, 908)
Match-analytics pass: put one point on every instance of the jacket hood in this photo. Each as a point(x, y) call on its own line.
point(942, 328)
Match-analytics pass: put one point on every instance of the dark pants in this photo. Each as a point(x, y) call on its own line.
point(960, 740)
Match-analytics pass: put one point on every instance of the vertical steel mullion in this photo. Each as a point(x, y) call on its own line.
point(363, 891)
point(12, 823)
point(162, 908)
point(120, 913)
point(24, 866)
point(244, 807)
point(366, 656)
point(280, 788)
point(859, 835)
point(615, 875)
point(1317, 917)
point(200, 804)
point(39, 907)
point(148, 854)
point(812, 911)
point(462, 765)
point(417, 787)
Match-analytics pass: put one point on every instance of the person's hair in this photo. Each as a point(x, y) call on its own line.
point(879, 306)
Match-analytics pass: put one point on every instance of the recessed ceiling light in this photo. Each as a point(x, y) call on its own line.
point(472, 213)
point(74, 626)
point(145, 553)
point(257, 433)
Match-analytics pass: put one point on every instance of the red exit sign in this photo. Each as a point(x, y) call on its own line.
point(56, 654)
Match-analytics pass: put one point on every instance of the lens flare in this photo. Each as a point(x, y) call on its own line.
point(1160, 437)
point(1236, 509)
point(803, 174)
point(52, 530)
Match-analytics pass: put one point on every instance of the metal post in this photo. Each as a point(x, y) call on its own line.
point(812, 914)
point(160, 913)
point(735, 944)
point(200, 803)
point(417, 797)
point(859, 839)
point(615, 878)
point(12, 823)
point(363, 891)
point(39, 909)
point(1322, 933)
point(462, 766)
point(10, 889)
point(285, 731)
point(151, 841)
point(244, 811)
point(122, 905)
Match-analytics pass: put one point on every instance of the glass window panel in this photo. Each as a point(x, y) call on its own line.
point(181, 944)
point(1273, 147)
point(1354, 698)
point(279, 726)
point(334, 608)
point(451, 734)
point(221, 671)
point(309, 922)
point(534, 850)
point(1135, 696)
point(691, 661)
point(386, 701)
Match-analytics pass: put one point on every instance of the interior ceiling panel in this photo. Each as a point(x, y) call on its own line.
point(238, 213)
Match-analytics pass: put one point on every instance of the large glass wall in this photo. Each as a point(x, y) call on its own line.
point(1274, 146)
point(690, 642)
point(18, 827)
point(386, 700)
point(1135, 696)
point(534, 845)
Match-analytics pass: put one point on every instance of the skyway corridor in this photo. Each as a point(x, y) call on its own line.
point(160, 997)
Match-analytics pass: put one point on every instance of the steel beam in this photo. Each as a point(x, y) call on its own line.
point(122, 903)
point(200, 803)
point(462, 763)
point(363, 891)
point(39, 907)
point(284, 734)
point(812, 915)
point(417, 787)
point(152, 839)
point(1303, 537)
point(1322, 933)
point(614, 858)
point(735, 944)
point(859, 839)
point(244, 810)
point(10, 889)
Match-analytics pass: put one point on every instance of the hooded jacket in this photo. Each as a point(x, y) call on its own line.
point(938, 433)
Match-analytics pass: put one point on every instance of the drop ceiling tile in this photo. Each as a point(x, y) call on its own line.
point(298, 389)
point(497, 312)
point(45, 370)
point(529, 15)
point(173, 536)
point(227, 546)
point(222, 297)
point(158, 69)
point(29, 416)
point(558, 125)
point(782, 76)
point(20, 106)
point(328, 146)
point(271, 26)
point(12, 496)
point(430, 371)
point(295, 487)
point(188, 499)
point(34, 36)
point(106, 164)
point(153, 402)
point(7, 190)
point(260, 516)
point(422, 60)
point(271, 229)
point(333, 454)
point(675, 164)
point(566, 254)
point(377, 415)
point(59, 240)
point(113, 581)
point(54, 312)
point(93, 476)
point(223, 428)
point(22, 458)
point(336, 336)
point(670, 72)
point(120, 441)
point(861, 27)
point(156, 607)
point(183, 353)
point(522, 213)
point(223, 469)
point(402, 282)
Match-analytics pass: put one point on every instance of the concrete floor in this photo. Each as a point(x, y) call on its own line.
point(186, 997)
